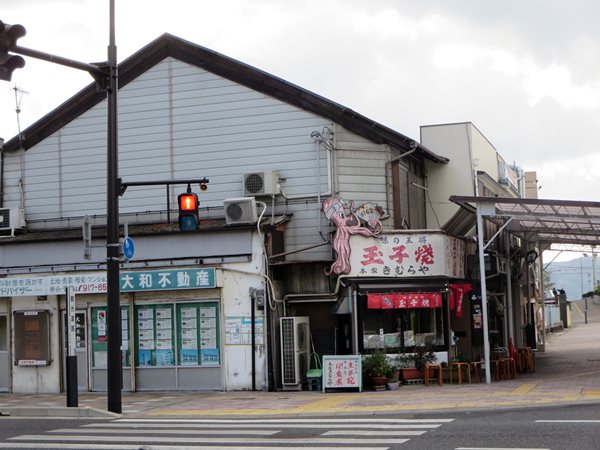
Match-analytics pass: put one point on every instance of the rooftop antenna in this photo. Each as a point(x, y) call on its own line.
point(18, 97)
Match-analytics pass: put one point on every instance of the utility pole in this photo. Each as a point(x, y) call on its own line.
point(114, 363)
point(107, 78)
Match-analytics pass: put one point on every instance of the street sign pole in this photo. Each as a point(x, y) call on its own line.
point(71, 358)
point(114, 363)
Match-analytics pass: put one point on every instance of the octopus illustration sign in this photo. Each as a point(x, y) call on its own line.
point(349, 221)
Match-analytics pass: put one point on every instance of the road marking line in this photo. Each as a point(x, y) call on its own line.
point(203, 440)
point(568, 421)
point(61, 446)
point(102, 426)
point(499, 448)
point(165, 431)
point(286, 421)
point(373, 433)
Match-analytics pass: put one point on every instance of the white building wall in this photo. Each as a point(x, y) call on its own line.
point(238, 279)
point(177, 121)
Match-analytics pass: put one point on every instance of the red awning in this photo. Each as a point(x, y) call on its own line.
point(405, 300)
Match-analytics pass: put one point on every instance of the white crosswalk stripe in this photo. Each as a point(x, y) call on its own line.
point(371, 433)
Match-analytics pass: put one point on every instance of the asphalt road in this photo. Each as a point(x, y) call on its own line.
point(554, 428)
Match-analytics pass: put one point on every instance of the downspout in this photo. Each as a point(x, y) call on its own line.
point(253, 338)
point(354, 305)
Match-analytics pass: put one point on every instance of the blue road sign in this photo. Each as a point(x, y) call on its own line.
point(128, 247)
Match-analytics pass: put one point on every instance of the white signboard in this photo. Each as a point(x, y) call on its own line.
point(71, 324)
point(342, 371)
point(407, 254)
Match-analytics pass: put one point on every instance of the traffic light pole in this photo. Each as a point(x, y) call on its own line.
point(107, 77)
point(114, 363)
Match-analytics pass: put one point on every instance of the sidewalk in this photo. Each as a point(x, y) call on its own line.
point(568, 372)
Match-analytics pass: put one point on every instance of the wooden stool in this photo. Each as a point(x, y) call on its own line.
point(510, 368)
point(429, 367)
point(477, 367)
point(526, 361)
point(459, 366)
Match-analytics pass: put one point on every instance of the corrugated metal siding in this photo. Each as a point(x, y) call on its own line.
point(178, 121)
point(361, 168)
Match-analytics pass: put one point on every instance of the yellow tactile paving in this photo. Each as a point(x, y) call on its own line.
point(524, 389)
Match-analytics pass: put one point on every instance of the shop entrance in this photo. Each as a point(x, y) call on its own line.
point(4, 354)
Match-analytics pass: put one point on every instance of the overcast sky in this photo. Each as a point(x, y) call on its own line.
point(525, 72)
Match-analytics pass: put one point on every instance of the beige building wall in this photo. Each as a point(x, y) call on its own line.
point(531, 185)
point(468, 151)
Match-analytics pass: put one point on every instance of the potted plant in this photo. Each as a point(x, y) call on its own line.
point(424, 356)
point(406, 367)
point(393, 382)
point(412, 364)
point(377, 368)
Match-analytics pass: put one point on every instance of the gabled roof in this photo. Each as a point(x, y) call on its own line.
point(169, 45)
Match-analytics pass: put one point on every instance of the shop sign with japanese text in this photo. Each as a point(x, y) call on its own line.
point(95, 283)
point(341, 371)
point(409, 254)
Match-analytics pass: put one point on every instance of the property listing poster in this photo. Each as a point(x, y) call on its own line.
point(198, 334)
point(99, 337)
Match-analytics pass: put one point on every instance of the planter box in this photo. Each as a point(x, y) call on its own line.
point(411, 373)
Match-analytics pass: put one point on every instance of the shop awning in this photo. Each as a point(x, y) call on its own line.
point(405, 300)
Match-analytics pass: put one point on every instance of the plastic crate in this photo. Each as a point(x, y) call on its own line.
point(314, 384)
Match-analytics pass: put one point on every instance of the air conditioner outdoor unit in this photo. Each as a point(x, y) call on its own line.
point(261, 183)
point(240, 210)
point(295, 351)
point(494, 264)
point(12, 219)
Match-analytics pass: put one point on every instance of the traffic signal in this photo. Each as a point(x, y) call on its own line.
point(188, 211)
point(8, 41)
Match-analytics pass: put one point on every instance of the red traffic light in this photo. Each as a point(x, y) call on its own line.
point(188, 202)
point(188, 211)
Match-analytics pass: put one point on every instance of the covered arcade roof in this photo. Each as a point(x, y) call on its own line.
point(540, 220)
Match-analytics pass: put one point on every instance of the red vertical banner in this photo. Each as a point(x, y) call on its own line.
point(457, 294)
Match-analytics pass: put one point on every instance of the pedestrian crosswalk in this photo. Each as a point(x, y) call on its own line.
point(371, 433)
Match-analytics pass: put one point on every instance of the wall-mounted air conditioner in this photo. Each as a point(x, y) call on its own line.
point(295, 351)
point(261, 183)
point(12, 219)
point(240, 210)
point(495, 264)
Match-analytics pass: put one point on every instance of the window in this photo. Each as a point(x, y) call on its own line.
point(403, 329)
